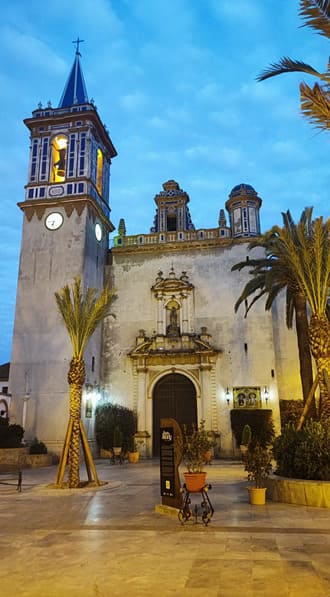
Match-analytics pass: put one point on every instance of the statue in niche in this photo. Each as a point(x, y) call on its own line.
point(173, 329)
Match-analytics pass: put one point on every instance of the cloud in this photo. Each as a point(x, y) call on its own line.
point(133, 101)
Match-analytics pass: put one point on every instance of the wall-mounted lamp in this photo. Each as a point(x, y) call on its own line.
point(227, 395)
point(266, 394)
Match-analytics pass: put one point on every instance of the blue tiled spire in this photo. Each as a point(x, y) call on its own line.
point(75, 89)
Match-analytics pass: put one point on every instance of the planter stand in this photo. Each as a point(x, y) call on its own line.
point(205, 510)
point(117, 456)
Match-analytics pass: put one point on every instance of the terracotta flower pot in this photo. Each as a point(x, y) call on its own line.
point(133, 457)
point(207, 456)
point(257, 496)
point(194, 481)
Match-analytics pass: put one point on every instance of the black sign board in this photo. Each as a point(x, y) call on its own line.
point(170, 458)
point(167, 470)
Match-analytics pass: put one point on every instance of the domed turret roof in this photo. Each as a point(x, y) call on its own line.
point(242, 189)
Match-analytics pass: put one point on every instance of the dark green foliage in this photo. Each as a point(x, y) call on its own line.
point(246, 435)
point(10, 435)
point(257, 462)
point(38, 447)
point(260, 422)
point(303, 454)
point(117, 437)
point(195, 444)
point(108, 416)
point(290, 412)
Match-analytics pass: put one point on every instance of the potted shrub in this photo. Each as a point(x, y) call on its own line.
point(195, 444)
point(245, 440)
point(133, 452)
point(258, 466)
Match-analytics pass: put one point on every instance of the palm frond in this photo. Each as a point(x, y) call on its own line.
point(315, 105)
point(287, 65)
point(316, 14)
point(297, 259)
point(82, 312)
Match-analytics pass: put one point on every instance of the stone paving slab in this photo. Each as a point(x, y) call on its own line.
point(111, 542)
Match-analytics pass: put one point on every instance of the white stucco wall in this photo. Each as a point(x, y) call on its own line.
point(246, 345)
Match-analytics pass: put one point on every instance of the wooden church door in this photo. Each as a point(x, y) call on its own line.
point(174, 397)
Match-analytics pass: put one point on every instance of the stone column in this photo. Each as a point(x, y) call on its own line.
point(185, 322)
point(160, 315)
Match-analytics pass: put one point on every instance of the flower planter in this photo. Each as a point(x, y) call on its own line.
point(257, 496)
point(194, 481)
point(243, 449)
point(105, 453)
point(13, 456)
point(37, 460)
point(299, 491)
point(133, 457)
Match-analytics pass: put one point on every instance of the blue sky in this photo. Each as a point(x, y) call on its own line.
point(174, 81)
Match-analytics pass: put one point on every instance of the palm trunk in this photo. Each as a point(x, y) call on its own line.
point(76, 378)
point(305, 359)
point(319, 334)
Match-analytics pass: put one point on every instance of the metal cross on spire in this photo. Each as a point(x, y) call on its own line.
point(77, 42)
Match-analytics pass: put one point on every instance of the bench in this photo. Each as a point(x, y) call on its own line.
point(11, 473)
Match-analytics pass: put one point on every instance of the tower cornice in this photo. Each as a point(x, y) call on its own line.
point(52, 118)
point(69, 204)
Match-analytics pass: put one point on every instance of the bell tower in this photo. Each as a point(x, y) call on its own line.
point(65, 233)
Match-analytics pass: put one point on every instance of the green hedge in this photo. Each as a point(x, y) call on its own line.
point(10, 435)
point(259, 419)
point(108, 416)
point(290, 412)
point(303, 454)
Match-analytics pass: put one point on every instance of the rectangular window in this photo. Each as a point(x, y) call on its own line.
point(82, 154)
point(71, 155)
point(34, 160)
point(237, 221)
point(44, 159)
point(252, 220)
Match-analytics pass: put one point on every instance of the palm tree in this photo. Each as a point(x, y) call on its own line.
point(314, 101)
point(81, 312)
point(303, 259)
point(270, 278)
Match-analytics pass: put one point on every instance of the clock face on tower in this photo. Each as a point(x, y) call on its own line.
point(98, 231)
point(54, 220)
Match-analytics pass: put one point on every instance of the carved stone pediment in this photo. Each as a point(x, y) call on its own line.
point(185, 344)
point(172, 284)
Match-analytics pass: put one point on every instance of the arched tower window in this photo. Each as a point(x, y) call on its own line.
point(171, 222)
point(59, 151)
point(99, 171)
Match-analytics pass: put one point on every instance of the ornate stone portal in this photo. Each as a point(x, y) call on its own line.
point(173, 348)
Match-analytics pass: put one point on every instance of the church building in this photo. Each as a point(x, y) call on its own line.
point(175, 348)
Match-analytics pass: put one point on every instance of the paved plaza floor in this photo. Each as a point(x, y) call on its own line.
point(110, 542)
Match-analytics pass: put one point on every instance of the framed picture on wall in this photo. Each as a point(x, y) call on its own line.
point(247, 397)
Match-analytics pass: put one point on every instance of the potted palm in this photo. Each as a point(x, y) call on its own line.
point(195, 444)
point(258, 466)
